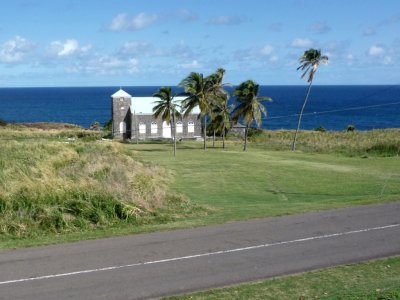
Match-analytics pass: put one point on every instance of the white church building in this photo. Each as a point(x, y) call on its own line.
point(132, 118)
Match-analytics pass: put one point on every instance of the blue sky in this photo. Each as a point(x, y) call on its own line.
point(159, 42)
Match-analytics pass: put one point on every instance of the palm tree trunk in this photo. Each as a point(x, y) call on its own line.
point(205, 132)
point(300, 116)
point(245, 137)
point(223, 137)
point(173, 132)
point(214, 138)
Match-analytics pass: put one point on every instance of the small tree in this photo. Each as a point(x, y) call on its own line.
point(249, 108)
point(309, 64)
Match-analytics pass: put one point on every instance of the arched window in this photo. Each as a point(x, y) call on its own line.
point(166, 130)
point(179, 127)
point(154, 127)
point(190, 127)
point(122, 127)
point(142, 128)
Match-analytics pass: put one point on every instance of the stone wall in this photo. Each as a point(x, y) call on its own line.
point(144, 126)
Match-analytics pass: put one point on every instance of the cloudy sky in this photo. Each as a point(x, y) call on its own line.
point(159, 42)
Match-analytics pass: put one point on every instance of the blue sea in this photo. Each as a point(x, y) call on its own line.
point(332, 107)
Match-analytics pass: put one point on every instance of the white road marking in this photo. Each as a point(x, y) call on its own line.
point(325, 236)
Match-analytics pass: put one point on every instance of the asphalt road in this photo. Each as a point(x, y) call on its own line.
point(166, 263)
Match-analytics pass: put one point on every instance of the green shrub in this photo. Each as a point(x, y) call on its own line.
point(384, 149)
point(320, 129)
point(350, 128)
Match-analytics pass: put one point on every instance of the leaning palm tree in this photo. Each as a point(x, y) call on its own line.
point(309, 64)
point(167, 109)
point(202, 92)
point(249, 108)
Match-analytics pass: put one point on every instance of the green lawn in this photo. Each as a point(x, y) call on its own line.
point(376, 280)
point(259, 183)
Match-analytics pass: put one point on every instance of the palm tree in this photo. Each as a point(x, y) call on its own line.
point(218, 98)
point(249, 108)
point(166, 108)
point(202, 93)
point(221, 117)
point(309, 64)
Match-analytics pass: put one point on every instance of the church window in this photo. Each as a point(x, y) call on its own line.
point(154, 127)
point(190, 127)
point(142, 128)
point(179, 127)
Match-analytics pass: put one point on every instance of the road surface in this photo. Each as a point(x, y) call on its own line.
point(166, 263)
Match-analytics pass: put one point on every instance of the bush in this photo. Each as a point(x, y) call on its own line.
point(3, 123)
point(350, 128)
point(107, 125)
point(254, 132)
point(385, 149)
point(320, 129)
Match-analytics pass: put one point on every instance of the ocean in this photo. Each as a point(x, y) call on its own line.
point(332, 107)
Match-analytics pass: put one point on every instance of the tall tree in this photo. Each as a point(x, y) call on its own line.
point(202, 93)
point(309, 64)
point(166, 108)
point(218, 98)
point(249, 107)
point(221, 117)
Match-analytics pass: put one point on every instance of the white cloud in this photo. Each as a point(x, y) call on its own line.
point(225, 20)
point(111, 65)
point(382, 54)
point(375, 50)
point(302, 43)
point(124, 22)
point(193, 65)
point(267, 50)
point(320, 27)
point(136, 48)
point(273, 58)
point(14, 51)
point(67, 48)
point(388, 60)
point(186, 15)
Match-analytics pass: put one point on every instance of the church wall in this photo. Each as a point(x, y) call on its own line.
point(146, 119)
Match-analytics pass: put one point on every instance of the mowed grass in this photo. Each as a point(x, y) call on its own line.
point(376, 280)
point(260, 183)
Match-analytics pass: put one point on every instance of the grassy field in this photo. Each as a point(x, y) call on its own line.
point(376, 280)
point(64, 183)
point(262, 183)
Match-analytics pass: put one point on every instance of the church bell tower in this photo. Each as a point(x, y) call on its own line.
point(121, 115)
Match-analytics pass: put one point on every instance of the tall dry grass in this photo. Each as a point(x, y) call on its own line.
point(384, 142)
